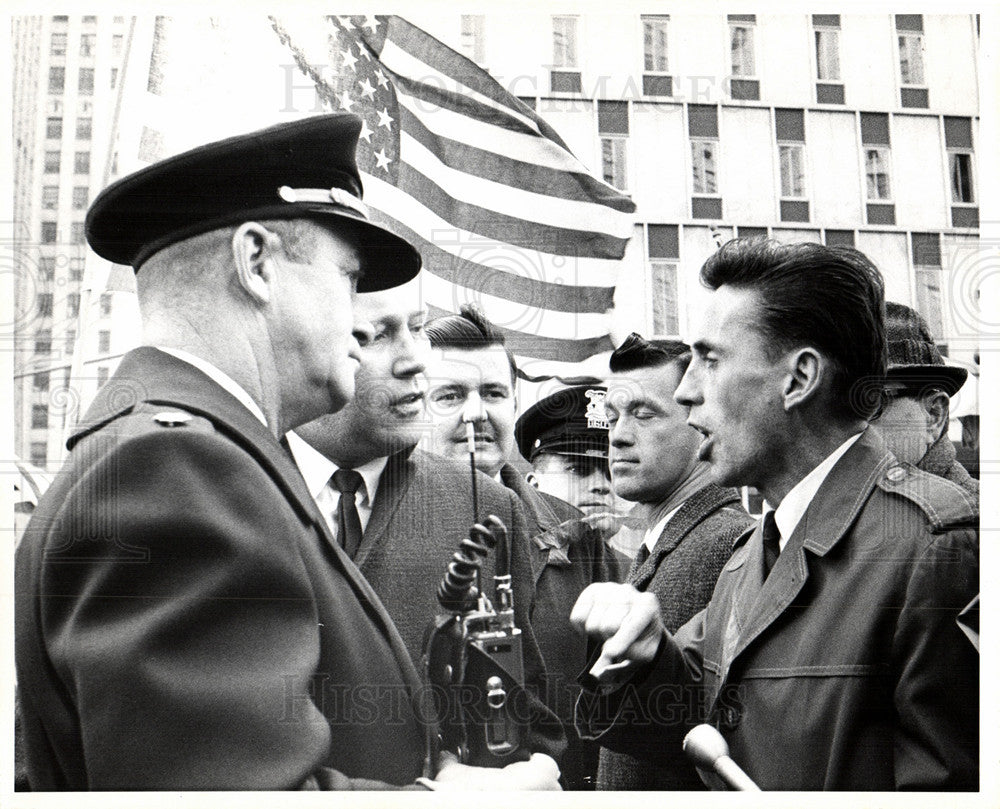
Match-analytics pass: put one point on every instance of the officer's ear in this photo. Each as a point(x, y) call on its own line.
point(532, 480)
point(806, 372)
point(254, 249)
point(937, 407)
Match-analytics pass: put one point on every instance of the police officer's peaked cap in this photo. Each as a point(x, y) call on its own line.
point(914, 359)
point(302, 169)
point(569, 422)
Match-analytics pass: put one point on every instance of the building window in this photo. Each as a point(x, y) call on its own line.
point(39, 417)
point(741, 61)
point(102, 375)
point(57, 46)
point(114, 77)
point(565, 76)
point(877, 172)
point(926, 249)
point(81, 163)
point(77, 234)
point(703, 166)
point(564, 53)
point(57, 79)
point(50, 197)
point(76, 269)
point(793, 175)
point(80, 197)
point(960, 171)
point(116, 44)
point(83, 128)
point(73, 304)
point(103, 342)
point(827, 54)
point(89, 18)
point(742, 64)
point(46, 268)
point(49, 233)
point(911, 59)
point(473, 37)
point(105, 304)
point(613, 128)
point(87, 42)
point(45, 304)
point(43, 341)
point(86, 81)
point(654, 43)
point(70, 342)
point(662, 247)
point(39, 454)
point(52, 162)
point(40, 381)
point(53, 127)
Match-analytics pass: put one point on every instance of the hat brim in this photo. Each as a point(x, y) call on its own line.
point(949, 378)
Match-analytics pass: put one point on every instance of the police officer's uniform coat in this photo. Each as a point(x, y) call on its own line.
point(846, 669)
point(186, 621)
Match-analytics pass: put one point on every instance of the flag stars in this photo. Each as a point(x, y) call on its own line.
point(371, 23)
point(380, 77)
point(345, 101)
point(382, 161)
point(384, 119)
point(367, 91)
point(365, 134)
point(350, 60)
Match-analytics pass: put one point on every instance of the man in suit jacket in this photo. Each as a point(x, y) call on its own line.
point(184, 619)
point(472, 377)
point(690, 523)
point(414, 508)
point(829, 656)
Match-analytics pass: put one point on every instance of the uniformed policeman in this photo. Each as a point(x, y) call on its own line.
point(564, 437)
point(919, 386)
point(829, 656)
point(184, 619)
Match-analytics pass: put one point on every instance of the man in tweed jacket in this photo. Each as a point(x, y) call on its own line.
point(690, 523)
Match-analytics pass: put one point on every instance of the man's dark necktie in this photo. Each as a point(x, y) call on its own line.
point(772, 539)
point(347, 482)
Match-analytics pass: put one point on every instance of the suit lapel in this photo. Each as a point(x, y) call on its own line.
point(758, 603)
point(395, 482)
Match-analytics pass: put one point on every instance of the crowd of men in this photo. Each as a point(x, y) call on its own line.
point(230, 584)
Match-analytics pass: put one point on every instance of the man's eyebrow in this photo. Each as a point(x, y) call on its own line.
point(447, 386)
point(701, 346)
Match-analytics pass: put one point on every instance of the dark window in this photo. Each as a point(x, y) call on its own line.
point(52, 162)
point(43, 341)
point(789, 125)
point(83, 128)
point(663, 241)
point(57, 46)
point(87, 42)
point(102, 375)
point(45, 304)
point(39, 454)
point(50, 197)
point(957, 132)
point(80, 195)
point(703, 121)
point(41, 381)
point(46, 268)
point(840, 238)
point(49, 232)
point(105, 304)
point(81, 163)
point(77, 235)
point(86, 82)
point(103, 342)
point(612, 117)
point(875, 128)
point(73, 304)
point(57, 79)
point(39, 417)
point(926, 249)
point(53, 128)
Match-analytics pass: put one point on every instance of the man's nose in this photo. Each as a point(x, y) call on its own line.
point(473, 410)
point(598, 483)
point(687, 393)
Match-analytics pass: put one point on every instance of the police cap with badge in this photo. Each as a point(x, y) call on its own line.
point(915, 363)
point(304, 169)
point(569, 422)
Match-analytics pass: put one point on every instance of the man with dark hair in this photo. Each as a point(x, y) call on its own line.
point(471, 377)
point(829, 656)
point(689, 523)
point(408, 511)
point(185, 620)
point(918, 389)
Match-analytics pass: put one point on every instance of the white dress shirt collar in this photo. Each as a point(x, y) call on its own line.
point(789, 512)
point(221, 378)
point(653, 533)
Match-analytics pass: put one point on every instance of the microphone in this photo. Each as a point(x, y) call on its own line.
point(705, 746)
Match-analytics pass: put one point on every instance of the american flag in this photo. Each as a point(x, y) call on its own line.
point(503, 213)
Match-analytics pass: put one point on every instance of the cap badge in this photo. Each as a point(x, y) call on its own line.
point(596, 417)
point(337, 196)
